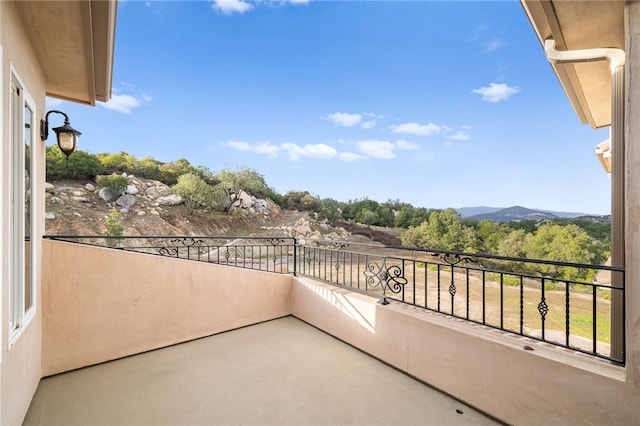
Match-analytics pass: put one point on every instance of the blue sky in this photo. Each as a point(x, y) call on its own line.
point(438, 104)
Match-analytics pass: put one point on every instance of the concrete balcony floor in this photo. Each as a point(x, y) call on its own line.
point(281, 372)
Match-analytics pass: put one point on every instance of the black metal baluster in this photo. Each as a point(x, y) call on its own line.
point(567, 322)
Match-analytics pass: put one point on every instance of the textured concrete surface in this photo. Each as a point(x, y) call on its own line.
point(281, 372)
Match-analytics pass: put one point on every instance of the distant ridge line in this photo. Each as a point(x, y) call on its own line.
point(515, 213)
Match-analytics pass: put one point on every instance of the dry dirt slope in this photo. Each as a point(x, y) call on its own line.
point(71, 209)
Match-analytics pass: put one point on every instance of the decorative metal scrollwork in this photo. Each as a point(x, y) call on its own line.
point(173, 249)
point(275, 241)
point(337, 245)
point(391, 277)
point(187, 241)
point(543, 308)
point(453, 259)
point(168, 251)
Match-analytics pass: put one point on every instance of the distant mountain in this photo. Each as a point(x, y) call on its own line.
point(515, 213)
point(473, 211)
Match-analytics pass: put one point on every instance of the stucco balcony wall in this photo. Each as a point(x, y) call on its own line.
point(101, 304)
point(106, 304)
point(487, 369)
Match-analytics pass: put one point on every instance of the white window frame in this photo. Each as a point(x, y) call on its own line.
point(19, 317)
point(2, 189)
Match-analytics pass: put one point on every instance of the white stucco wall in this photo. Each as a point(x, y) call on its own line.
point(632, 211)
point(115, 303)
point(20, 370)
point(487, 369)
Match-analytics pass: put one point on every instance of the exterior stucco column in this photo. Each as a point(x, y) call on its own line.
point(632, 210)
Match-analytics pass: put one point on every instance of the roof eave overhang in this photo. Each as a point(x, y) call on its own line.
point(74, 43)
point(581, 25)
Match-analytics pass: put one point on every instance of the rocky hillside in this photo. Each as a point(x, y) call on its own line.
point(147, 207)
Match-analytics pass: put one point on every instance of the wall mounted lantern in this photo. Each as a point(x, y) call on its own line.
point(67, 135)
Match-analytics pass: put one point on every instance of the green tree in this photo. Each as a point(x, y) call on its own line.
point(384, 215)
point(195, 192)
point(514, 244)
point(443, 231)
point(404, 216)
point(119, 163)
point(568, 243)
point(489, 234)
point(330, 209)
point(147, 168)
point(56, 163)
point(82, 165)
point(366, 216)
point(206, 174)
point(420, 215)
point(301, 200)
point(169, 172)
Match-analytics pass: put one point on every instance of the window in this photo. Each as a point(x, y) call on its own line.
point(21, 134)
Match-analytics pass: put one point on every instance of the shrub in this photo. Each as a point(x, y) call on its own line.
point(114, 228)
point(114, 183)
point(82, 165)
point(56, 163)
point(195, 191)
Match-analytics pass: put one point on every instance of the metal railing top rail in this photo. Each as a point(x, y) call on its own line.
point(467, 254)
point(149, 237)
point(343, 244)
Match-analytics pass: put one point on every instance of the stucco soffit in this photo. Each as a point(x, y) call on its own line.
point(582, 25)
point(74, 43)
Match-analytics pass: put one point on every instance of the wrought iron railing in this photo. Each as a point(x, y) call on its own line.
point(564, 304)
point(261, 253)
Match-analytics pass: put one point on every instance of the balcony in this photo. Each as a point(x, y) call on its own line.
point(122, 301)
point(277, 372)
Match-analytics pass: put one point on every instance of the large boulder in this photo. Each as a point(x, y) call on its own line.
point(262, 206)
point(48, 187)
point(108, 194)
point(127, 201)
point(245, 200)
point(157, 191)
point(170, 200)
point(131, 189)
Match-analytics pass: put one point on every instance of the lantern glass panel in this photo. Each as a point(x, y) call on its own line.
point(66, 141)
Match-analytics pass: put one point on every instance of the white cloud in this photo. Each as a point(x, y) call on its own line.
point(238, 145)
point(299, 1)
point(267, 148)
point(344, 119)
point(320, 151)
point(497, 92)
point(400, 144)
point(368, 124)
point(460, 135)
point(125, 103)
point(417, 129)
point(351, 157)
point(382, 150)
point(263, 148)
point(231, 6)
